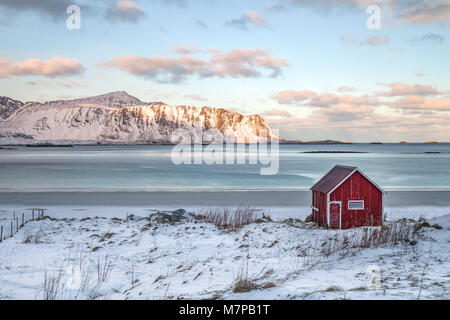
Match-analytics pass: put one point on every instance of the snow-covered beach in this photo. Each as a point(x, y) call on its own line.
point(96, 249)
point(99, 240)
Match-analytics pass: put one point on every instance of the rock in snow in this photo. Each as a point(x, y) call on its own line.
point(118, 117)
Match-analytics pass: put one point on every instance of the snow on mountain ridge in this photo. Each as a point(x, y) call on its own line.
point(119, 117)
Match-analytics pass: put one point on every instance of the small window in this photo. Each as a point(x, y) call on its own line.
point(356, 205)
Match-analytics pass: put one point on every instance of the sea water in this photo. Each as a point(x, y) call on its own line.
point(150, 168)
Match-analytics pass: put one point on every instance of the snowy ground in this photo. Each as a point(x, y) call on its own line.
point(98, 254)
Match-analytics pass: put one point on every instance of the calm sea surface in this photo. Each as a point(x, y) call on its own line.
point(133, 168)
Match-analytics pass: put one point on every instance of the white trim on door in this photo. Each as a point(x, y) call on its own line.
point(340, 211)
point(328, 210)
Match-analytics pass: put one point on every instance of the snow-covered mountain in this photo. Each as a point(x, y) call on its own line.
point(118, 117)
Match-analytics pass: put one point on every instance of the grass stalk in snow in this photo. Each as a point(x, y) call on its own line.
point(229, 219)
point(104, 268)
point(244, 283)
point(51, 286)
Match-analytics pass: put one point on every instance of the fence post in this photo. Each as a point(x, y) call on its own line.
point(1, 233)
point(17, 224)
point(23, 219)
point(14, 215)
point(11, 229)
point(32, 215)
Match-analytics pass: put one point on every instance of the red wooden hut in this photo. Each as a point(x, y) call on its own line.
point(346, 198)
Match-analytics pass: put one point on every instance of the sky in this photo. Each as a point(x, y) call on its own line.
point(314, 70)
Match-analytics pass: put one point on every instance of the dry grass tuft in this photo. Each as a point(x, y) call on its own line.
point(51, 286)
point(104, 267)
point(33, 238)
point(230, 219)
point(244, 283)
point(371, 237)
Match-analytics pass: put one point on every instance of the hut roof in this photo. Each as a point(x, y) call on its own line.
point(337, 175)
point(333, 178)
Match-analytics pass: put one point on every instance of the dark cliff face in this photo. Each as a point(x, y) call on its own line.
point(8, 106)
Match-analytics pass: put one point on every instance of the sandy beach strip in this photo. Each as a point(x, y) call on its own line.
point(216, 198)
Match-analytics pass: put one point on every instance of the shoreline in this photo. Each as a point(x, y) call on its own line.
point(204, 198)
point(72, 143)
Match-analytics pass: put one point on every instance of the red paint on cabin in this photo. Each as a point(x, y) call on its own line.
point(346, 198)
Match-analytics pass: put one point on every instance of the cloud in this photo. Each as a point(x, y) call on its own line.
point(164, 69)
point(196, 97)
point(62, 83)
point(346, 89)
point(418, 113)
point(422, 11)
point(186, 50)
point(276, 7)
point(125, 11)
point(415, 102)
point(327, 6)
point(345, 113)
point(350, 38)
point(54, 67)
point(403, 89)
point(431, 37)
point(276, 113)
point(408, 98)
point(293, 96)
point(405, 11)
point(363, 124)
point(56, 9)
point(201, 24)
point(249, 18)
point(235, 64)
point(321, 100)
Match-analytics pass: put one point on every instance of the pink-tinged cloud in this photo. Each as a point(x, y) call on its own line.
point(423, 11)
point(256, 18)
point(54, 67)
point(363, 124)
point(125, 11)
point(345, 89)
point(293, 96)
point(186, 50)
point(164, 68)
point(321, 100)
point(405, 11)
point(235, 63)
point(345, 113)
point(196, 97)
point(403, 89)
point(276, 113)
point(249, 18)
point(412, 99)
point(420, 103)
